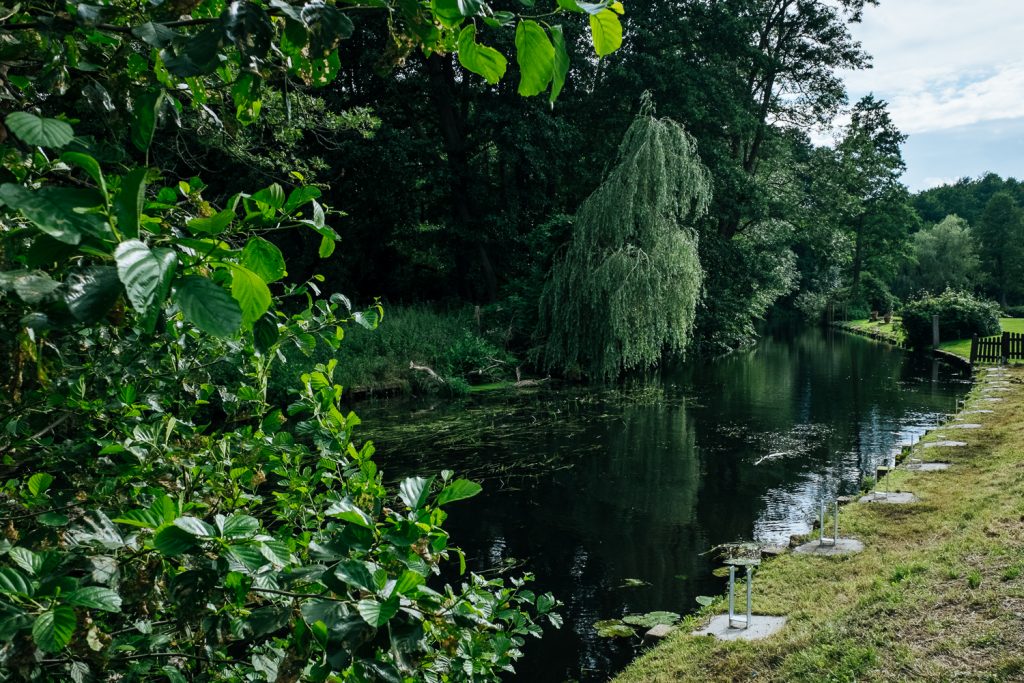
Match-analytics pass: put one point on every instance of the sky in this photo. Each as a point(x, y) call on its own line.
point(952, 72)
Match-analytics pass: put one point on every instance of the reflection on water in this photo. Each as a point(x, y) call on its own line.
point(589, 488)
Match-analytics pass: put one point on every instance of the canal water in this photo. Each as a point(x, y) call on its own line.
point(612, 498)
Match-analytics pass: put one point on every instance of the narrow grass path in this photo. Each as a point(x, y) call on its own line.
point(937, 595)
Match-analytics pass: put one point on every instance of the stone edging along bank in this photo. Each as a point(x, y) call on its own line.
point(936, 594)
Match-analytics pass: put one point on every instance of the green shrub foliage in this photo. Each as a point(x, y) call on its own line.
point(961, 315)
point(626, 288)
point(163, 519)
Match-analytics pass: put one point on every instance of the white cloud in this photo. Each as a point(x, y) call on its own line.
point(942, 64)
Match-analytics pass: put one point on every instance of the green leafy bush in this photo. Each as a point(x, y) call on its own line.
point(164, 517)
point(961, 315)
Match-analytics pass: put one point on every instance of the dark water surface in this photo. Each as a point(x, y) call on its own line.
point(587, 489)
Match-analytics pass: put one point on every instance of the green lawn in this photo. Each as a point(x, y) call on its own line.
point(960, 347)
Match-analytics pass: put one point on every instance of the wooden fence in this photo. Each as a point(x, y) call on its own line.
point(1002, 349)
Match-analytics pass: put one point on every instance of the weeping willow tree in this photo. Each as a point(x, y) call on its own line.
point(626, 288)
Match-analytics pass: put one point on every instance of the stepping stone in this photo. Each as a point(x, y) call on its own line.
point(976, 412)
point(760, 627)
point(844, 546)
point(928, 466)
point(901, 498)
point(964, 425)
point(945, 444)
point(774, 550)
point(660, 632)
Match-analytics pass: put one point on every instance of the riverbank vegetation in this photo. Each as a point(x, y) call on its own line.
point(933, 596)
point(893, 333)
point(167, 514)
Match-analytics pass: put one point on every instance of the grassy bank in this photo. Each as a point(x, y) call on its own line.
point(937, 594)
point(892, 333)
point(417, 349)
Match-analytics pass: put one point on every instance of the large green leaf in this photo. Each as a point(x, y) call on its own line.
point(269, 200)
point(377, 613)
point(57, 211)
point(197, 56)
point(480, 59)
point(12, 620)
point(146, 275)
point(536, 58)
point(560, 66)
point(213, 225)
point(34, 287)
point(52, 630)
point(173, 541)
point(240, 526)
point(447, 12)
point(414, 491)
point(39, 482)
point(95, 597)
point(248, 26)
point(248, 558)
point(144, 119)
point(265, 333)
point(355, 573)
point(155, 35)
point(208, 306)
point(299, 197)
point(459, 489)
point(606, 32)
point(327, 246)
point(89, 165)
point(347, 510)
point(408, 581)
point(264, 259)
point(128, 205)
point(92, 292)
point(328, 26)
point(195, 526)
point(26, 559)
point(14, 582)
point(35, 130)
point(251, 293)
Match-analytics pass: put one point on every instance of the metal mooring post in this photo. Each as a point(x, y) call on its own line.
point(821, 524)
point(734, 621)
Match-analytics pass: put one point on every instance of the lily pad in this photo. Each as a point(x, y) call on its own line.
point(613, 628)
point(652, 619)
point(634, 583)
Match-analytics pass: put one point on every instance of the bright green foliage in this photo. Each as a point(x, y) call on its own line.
point(165, 517)
point(946, 256)
point(626, 289)
point(960, 316)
